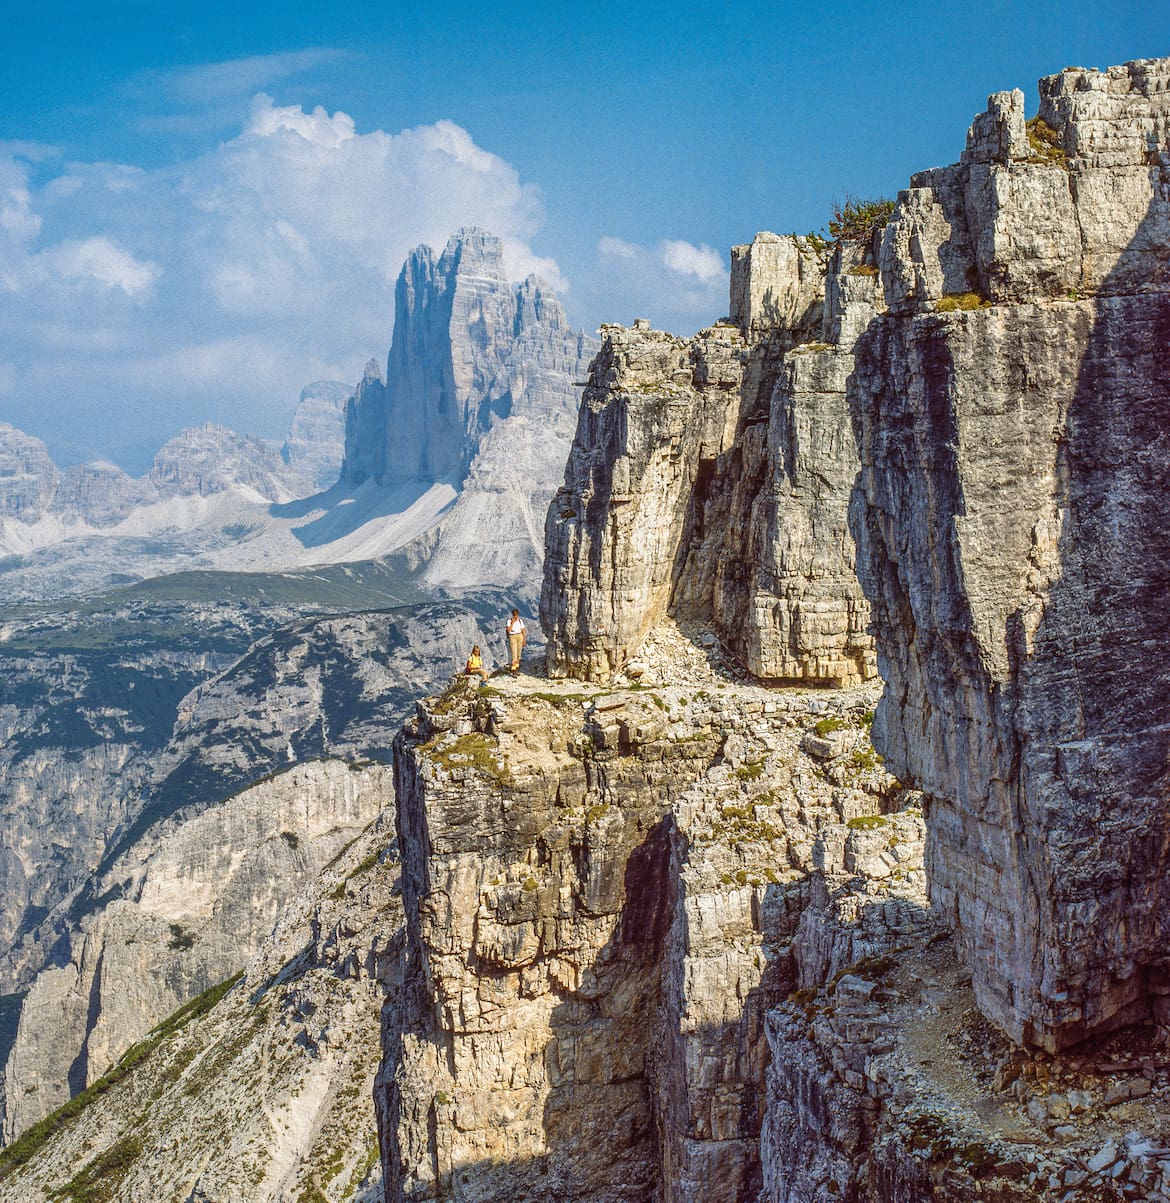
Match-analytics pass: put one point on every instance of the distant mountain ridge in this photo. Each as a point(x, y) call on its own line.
point(200, 461)
point(450, 458)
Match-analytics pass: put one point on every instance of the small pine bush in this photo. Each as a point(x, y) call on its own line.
point(858, 220)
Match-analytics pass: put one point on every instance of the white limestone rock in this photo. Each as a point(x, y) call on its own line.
point(315, 445)
point(27, 476)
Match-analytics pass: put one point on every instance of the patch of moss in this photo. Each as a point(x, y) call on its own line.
point(866, 822)
point(978, 1158)
point(863, 269)
point(473, 750)
point(363, 866)
point(597, 811)
point(870, 968)
point(738, 824)
point(751, 770)
point(865, 758)
point(455, 693)
point(964, 301)
point(362, 1171)
point(826, 726)
point(1046, 144)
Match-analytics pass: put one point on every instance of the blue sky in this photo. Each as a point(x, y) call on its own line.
point(184, 238)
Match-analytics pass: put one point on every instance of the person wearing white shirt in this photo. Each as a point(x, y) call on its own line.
point(517, 638)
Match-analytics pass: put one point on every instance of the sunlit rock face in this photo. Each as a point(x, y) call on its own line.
point(209, 459)
point(989, 363)
point(601, 902)
point(710, 477)
point(1013, 540)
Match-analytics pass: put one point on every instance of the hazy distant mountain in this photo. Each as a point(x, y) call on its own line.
point(27, 475)
point(451, 457)
point(316, 438)
point(205, 460)
point(210, 500)
point(480, 392)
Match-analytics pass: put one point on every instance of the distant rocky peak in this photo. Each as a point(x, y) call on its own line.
point(537, 304)
point(315, 444)
point(468, 349)
point(471, 249)
point(27, 475)
point(204, 460)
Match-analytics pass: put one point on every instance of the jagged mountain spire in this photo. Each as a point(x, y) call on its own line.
point(452, 370)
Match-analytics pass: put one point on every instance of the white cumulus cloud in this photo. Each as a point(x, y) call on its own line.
point(318, 126)
point(215, 288)
point(689, 260)
point(679, 286)
point(100, 260)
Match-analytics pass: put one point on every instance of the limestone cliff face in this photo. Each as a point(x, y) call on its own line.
point(1012, 527)
point(672, 943)
point(601, 892)
point(183, 918)
point(468, 350)
point(710, 478)
point(990, 362)
point(656, 410)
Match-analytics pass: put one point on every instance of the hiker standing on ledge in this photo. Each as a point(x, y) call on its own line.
point(517, 638)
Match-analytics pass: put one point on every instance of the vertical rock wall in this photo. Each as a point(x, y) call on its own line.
point(710, 477)
point(480, 393)
point(1013, 539)
point(779, 553)
point(600, 902)
point(656, 412)
point(468, 350)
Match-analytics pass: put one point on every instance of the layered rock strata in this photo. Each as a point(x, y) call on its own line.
point(991, 361)
point(710, 478)
point(1013, 539)
point(461, 356)
point(315, 444)
point(601, 892)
